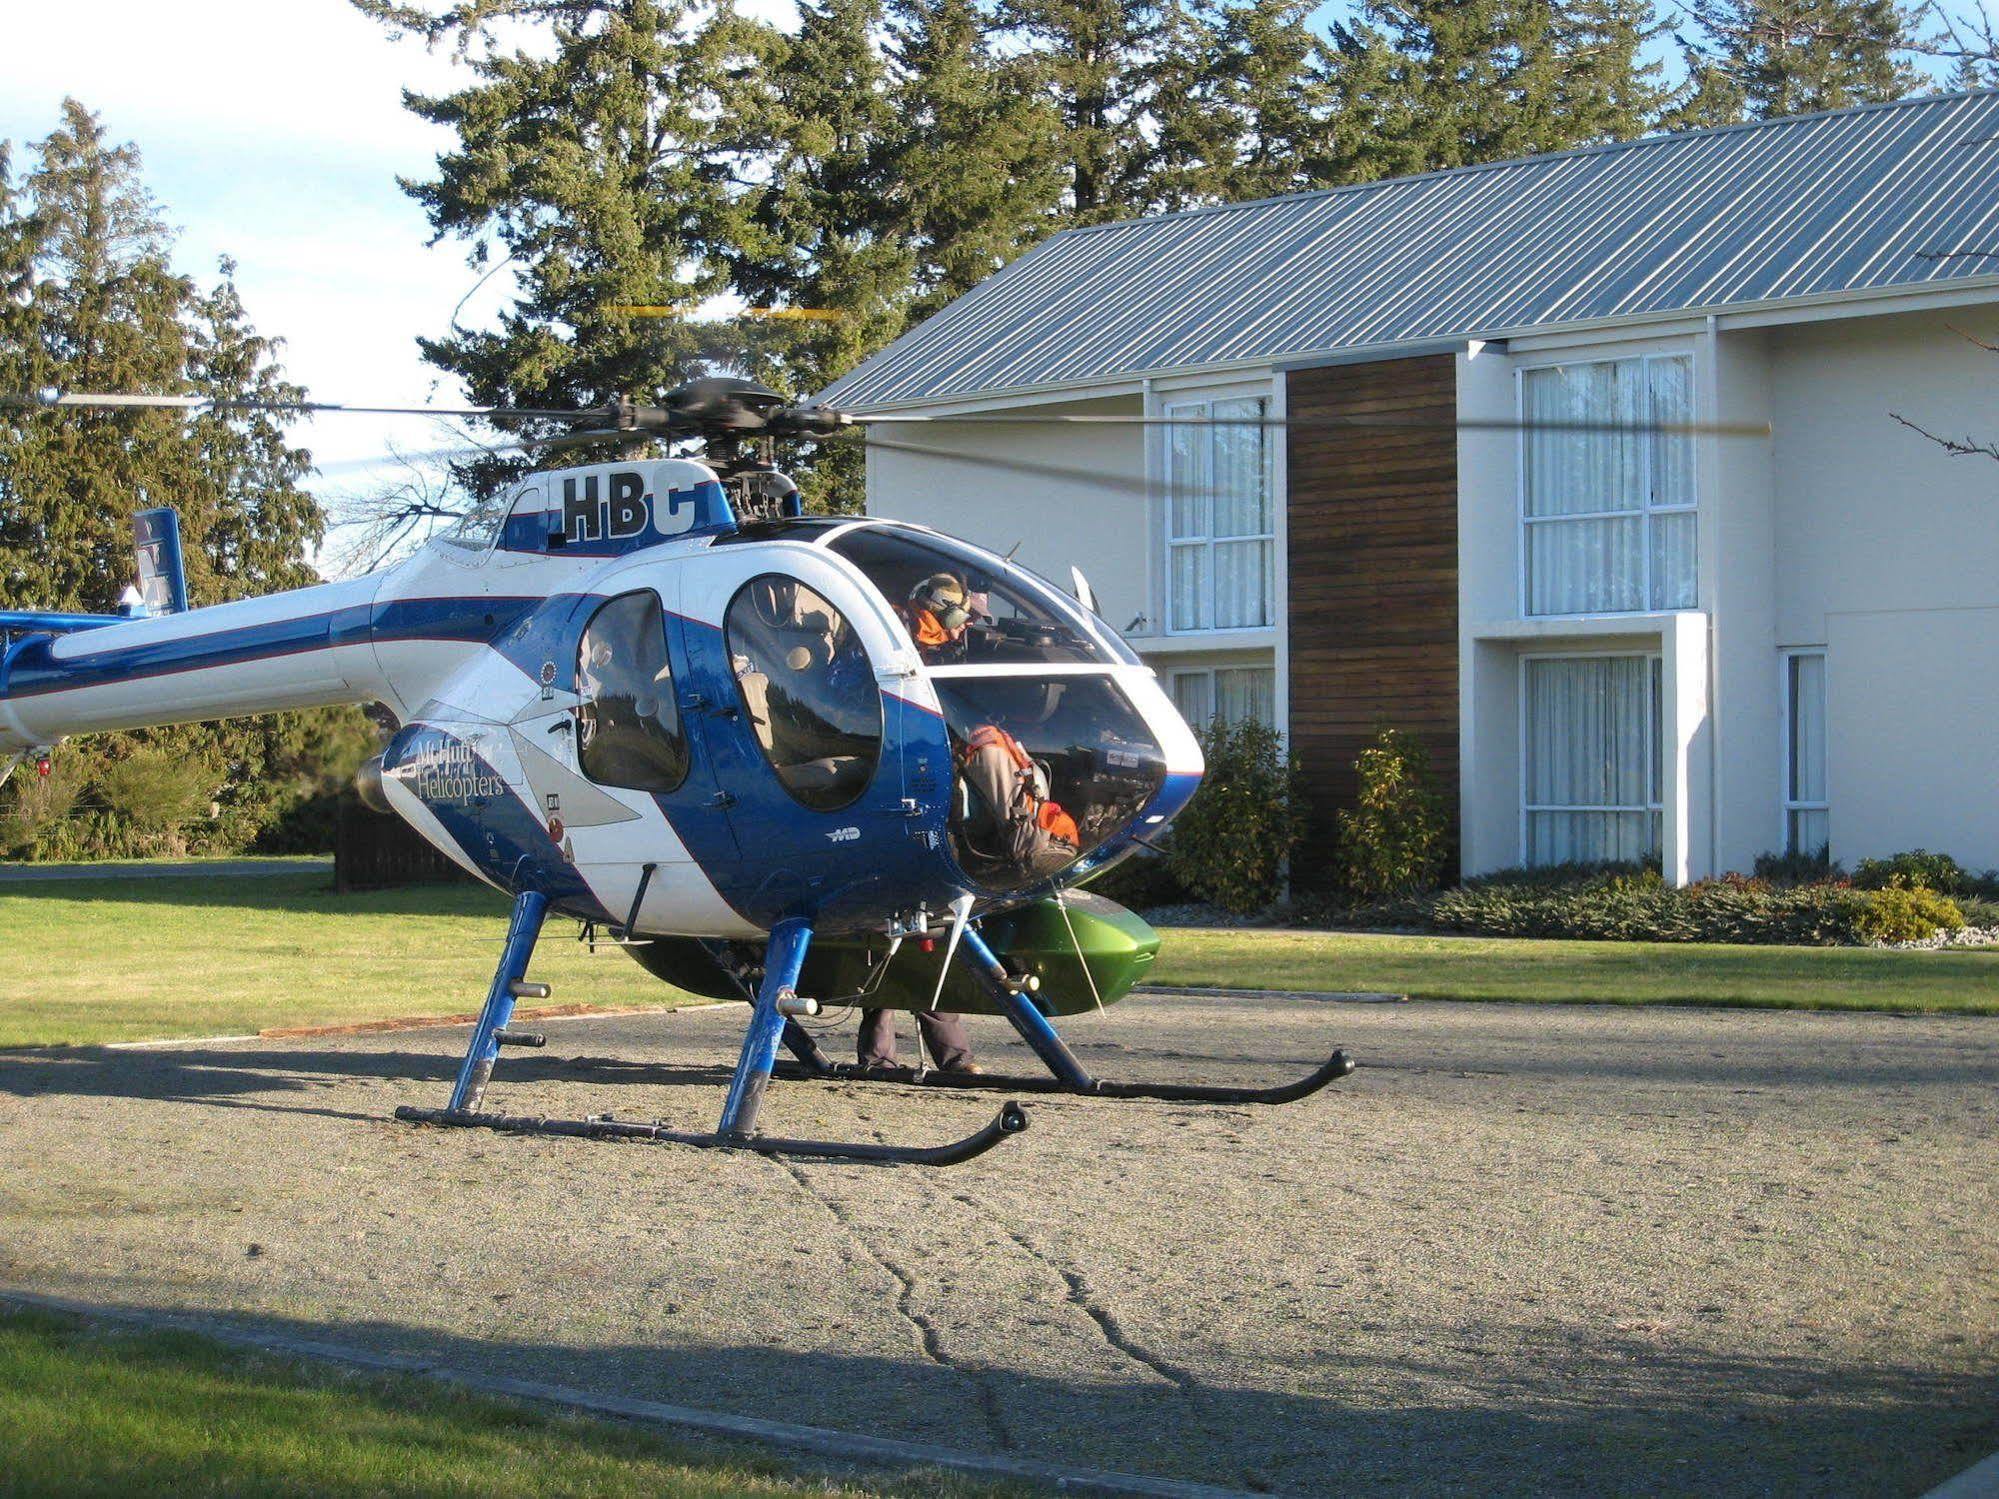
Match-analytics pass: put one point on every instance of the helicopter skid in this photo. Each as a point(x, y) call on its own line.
point(1335, 1067)
point(1011, 1120)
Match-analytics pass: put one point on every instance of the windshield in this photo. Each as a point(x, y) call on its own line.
point(964, 606)
point(1047, 769)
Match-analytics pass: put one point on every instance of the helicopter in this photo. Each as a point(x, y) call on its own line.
point(795, 760)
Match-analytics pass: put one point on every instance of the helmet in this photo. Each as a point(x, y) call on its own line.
point(944, 596)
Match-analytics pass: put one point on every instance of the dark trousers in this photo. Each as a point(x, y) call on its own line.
point(943, 1034)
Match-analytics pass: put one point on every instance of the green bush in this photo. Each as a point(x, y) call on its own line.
point(1141, 882)
point(1393, 840)
point(1797, 868)
point(1917, 869)
point(1903, 913)
point(35, 802)
point(157, 793)
point(1625, 905)
point(1231, 843)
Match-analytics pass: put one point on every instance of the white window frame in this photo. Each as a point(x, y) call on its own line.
point(1523, 521)
point(1787, 712)
point(1200, 405)
point(1176, 673)
point(1654, 746)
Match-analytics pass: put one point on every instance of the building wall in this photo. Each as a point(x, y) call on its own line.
point(1887, 553)
point(1076, 498)
point(1373, 571)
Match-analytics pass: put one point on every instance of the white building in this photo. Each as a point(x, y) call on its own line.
point(1618, 644)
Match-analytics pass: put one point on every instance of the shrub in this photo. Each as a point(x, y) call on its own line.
point(1392, 841)
point(1230, 844)
point(156, 792)
point(1798, 868)
point(37, 802)
point(1917, 869)
point(1902, 913)
point(1141, 882)
point(1635, 905)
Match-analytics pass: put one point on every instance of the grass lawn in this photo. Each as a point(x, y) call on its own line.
point(125, 960)
point(1630, 973)
point(117, 960)
point(84, 1411)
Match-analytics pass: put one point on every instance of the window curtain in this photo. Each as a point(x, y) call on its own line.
point(1602, 533)
point(1246, 692)
point(1810, 825)
point(1220, 549)
point(1193, 695)
point(1592, 736)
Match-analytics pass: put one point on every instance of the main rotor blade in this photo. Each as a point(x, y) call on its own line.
point(1122, 482)
point(491, 450)
point(115, 401)
point(1368, 423)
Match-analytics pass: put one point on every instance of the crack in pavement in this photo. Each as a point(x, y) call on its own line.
point(928, 1337)
point(1085, 1298)
point(1096, 1306)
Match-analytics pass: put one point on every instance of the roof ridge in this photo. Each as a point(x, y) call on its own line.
point(1599, 148)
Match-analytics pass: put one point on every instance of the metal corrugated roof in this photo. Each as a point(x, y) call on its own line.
point(1847, 201)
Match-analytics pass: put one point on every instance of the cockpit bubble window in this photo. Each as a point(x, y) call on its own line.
point(628, 729)
point(1047, 769)
point(966, 607)
point(481, 526)
point(808, 690)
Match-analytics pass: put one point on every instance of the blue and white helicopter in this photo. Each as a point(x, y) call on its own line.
point(776, 757)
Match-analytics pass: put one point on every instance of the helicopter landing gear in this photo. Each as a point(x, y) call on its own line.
point(770, 1022)
point(1067, 1074)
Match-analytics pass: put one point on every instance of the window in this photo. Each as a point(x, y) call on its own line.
point(1807, 822)
point(1608, 516)
point(1593, 773)
point(1230, 693)
point(808, 690)
point(1220, 532)
point(1013, 617)
point(628, 724)
point(482, 524)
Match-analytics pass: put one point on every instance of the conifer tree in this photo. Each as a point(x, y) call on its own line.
point(1093, 60)
point(976, 159)
point(89, 300)
point(609, 162)
point(1447, 83)
point(1761, 59)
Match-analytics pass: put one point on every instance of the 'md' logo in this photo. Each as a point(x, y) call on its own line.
point(619, 508)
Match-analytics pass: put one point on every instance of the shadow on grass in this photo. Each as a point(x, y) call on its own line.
point(1619, 1414)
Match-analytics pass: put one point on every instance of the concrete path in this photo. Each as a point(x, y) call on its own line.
point(136, 870)
point(1525, 1250)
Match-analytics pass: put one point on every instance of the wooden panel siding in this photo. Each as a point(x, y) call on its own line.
point(1373, 547)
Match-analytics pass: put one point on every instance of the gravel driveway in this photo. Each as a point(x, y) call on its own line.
point(1524, 1250)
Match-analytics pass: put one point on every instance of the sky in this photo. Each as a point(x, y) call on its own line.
point(273, 131)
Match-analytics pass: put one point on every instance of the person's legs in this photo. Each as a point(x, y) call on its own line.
point(875, 1046)
point(944, 1034)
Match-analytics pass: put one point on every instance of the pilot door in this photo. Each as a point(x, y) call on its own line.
point(788, 655)
point(642, 793)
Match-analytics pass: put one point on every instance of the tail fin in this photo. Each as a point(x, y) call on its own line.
point(162, 579)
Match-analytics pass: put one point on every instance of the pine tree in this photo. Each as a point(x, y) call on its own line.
point(1241, 103)
point(89, 300)
point(1761, 59)
point(976, 159)
point(609, 161)
point(1447, 83)
point(1093, 60)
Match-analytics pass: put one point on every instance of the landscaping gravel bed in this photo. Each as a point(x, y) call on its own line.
point(1524, 1250)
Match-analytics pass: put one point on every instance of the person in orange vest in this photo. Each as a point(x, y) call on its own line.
point(937, 613)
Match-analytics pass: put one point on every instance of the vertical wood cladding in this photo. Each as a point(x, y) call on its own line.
point(1373, 546)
